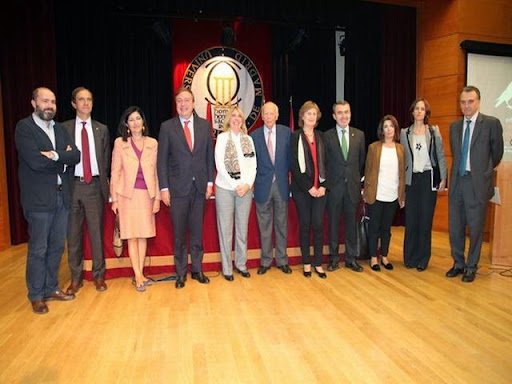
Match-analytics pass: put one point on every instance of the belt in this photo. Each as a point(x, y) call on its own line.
point(81, 178)
point(58, 187)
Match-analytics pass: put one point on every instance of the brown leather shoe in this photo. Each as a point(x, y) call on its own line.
point(100, 284)
point(39, 307)
point(74, 287)
point(60, 296)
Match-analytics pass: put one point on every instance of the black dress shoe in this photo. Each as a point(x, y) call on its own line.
point(262, 270)
point(180, 283)
point(468, 276)
point(322, 275)
point(388, 266)
point(333, 266)
point(354, 266)
point(454, 272)
point(229, 277)
point(375, 267)
point(285, 268)
point(199, 276)
point(409, 266)
point(307, 273)
point(421, 268)
point(245, 274)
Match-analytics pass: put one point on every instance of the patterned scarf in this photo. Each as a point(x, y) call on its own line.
point(231, 156)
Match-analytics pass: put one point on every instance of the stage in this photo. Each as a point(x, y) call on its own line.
point(160, 258)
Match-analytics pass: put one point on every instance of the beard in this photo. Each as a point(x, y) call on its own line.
point(47, 114)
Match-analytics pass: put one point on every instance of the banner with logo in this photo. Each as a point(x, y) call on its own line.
point(221, 76)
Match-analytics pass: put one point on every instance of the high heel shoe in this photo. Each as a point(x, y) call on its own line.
point(322, 275)
point(307, 273)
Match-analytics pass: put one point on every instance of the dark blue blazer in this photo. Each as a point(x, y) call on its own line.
point(178, 166)
point(265, 168)
point(37, 174)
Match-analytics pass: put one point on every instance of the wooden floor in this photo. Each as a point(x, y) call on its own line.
point(399, 326)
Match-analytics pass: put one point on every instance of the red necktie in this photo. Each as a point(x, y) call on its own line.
point(86, 157)
point(187, 134)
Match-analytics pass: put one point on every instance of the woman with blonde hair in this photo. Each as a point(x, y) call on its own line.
point(235, 160)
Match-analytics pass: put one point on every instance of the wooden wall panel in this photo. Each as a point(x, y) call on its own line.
point(490, 18)
point(441, 213)
point(440, 18)
point(5, 228)
point(501, 239)
point(441, 57)
point(440, 93)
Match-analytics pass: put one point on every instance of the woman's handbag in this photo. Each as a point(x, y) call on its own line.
point(117, 242)
point(362, 235)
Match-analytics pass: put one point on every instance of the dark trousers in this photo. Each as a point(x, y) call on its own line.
point(339, 205)
point(381, 217)
point(187, 213)
point(311, 216)
point(420, 202)
point(47, 236)
point(87, 203)
point(466, 210)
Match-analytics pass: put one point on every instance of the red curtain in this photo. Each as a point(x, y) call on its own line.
point(189, 38)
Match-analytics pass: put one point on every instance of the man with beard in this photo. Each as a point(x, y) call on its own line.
point(45, 149)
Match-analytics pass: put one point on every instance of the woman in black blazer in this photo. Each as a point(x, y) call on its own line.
point(307, 162)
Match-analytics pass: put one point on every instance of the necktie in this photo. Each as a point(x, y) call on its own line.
point(187, 134)
point(270, 146)
point(86, 157)
point(465, 150)
point(344, 146)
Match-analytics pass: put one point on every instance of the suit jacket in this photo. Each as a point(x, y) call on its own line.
point(102, 145)
point(265, 169)
point(178, 166)
point(303, 182)
point(486, 151)
point(407, 141)
point(37, 174)
point(372, 168)
point(350, 170)
point(125, 166)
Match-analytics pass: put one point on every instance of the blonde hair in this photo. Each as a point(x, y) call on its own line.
point(227, 126)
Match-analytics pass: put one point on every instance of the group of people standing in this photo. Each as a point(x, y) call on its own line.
point(64, 170)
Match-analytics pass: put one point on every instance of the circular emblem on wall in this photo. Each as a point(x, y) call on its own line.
point(221, 77)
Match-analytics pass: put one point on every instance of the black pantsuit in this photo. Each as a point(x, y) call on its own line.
point(419, 213)
point(381, 218)
point(311, 216)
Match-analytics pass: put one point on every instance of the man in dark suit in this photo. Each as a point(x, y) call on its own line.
point(271, 188)
point(476, 142)
point(346, 153)
point(89, 195)
point(185, 174)
point(44, 150)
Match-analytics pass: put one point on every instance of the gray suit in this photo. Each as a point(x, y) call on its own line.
point(88, 202)
point(470, 193)
point(344, 185)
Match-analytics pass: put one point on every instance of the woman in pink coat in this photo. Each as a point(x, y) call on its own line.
point(134, 188)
